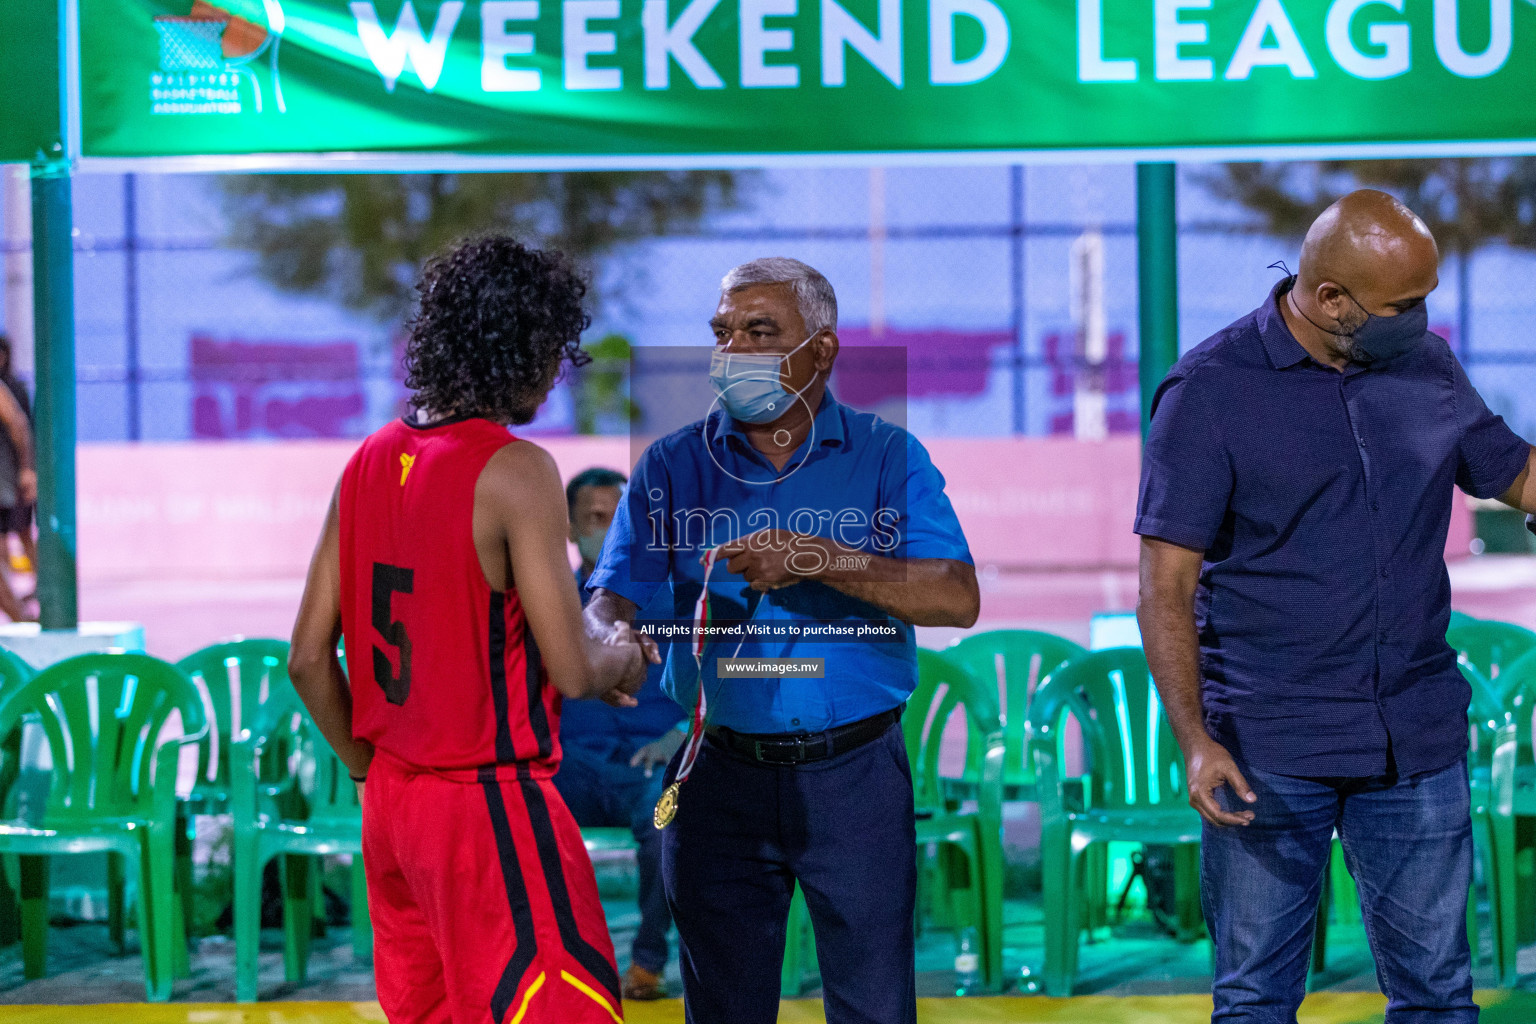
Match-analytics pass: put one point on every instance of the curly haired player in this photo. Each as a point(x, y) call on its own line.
point(443, 564)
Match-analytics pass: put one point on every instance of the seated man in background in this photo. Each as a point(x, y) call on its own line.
point(615, 757)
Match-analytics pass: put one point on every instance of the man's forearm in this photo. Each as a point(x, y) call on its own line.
point(1173, 654)
point(920, 591)
point(605, 609)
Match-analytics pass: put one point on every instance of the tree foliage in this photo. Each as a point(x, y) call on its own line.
point(1465, 203)
point(362, 238)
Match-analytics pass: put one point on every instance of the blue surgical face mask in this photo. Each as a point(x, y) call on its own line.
point(590, 546)
point(1381, 338)
point(750, 385)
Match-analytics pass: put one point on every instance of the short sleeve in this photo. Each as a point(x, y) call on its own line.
point(928, 526)
point(1490, 454)
point(1186, 475)
point(633, 564)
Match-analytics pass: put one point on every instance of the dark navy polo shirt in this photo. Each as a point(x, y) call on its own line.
point(1322, 501)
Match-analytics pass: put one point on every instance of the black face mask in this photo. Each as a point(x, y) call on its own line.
point(1381, 338)
point(1378, 338)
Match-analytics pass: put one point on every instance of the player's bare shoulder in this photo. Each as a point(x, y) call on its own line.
point(520, 479)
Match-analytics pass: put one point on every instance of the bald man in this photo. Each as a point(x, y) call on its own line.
point(1295, 497)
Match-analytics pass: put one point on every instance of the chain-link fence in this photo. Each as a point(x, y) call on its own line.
point(1012, 289)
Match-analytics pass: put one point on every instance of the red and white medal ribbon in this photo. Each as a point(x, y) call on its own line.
point(700, 622)
point(666, 808)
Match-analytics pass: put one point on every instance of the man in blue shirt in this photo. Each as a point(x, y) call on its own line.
point(611, 772)
point(1296, 494)
point(831, 524)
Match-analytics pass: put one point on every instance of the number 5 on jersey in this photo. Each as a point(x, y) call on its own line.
point(389, 580)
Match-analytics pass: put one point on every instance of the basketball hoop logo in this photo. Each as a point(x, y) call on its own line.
point(206, 54)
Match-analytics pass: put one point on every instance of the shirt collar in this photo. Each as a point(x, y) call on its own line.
point(827, 428)
point(1279, 343)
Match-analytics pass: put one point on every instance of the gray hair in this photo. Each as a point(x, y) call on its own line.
point(814, 296)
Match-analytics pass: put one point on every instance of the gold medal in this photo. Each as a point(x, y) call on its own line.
point(666, 807)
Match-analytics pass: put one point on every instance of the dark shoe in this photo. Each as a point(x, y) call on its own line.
point(643, 986)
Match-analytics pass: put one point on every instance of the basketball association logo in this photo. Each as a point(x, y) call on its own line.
point(208, 61)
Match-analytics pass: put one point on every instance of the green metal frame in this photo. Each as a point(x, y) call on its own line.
point(1157, 275)
point(53, 285)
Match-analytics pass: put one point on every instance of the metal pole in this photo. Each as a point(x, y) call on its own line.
point(53, 304)
point(1016, 292)
point(131, 302)
point(1157, 271)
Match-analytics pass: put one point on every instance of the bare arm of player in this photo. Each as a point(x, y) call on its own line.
point(1166, 614)
point(1523, 494)
point(20, 432)
point(312, 663)
point(922, 591)
point(520, 492)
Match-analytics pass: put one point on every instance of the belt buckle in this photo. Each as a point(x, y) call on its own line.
point(796, 752)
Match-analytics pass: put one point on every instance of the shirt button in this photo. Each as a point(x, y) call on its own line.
point(1383, 573)
point(1361, 440)
point(794, 721)
point(1375, 507)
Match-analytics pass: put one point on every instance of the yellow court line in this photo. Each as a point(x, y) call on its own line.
point(1499, 1007)
point(585, 989)
point(538, 983)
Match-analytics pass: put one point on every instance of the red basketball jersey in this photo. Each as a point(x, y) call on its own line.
point(445, 674)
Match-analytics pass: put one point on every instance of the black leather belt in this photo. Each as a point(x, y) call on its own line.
point(781, 748)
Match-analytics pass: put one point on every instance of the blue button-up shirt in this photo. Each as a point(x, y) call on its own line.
point(863, 482)
point(1322, 501)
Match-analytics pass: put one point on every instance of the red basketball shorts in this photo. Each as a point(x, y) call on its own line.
point(483, 902)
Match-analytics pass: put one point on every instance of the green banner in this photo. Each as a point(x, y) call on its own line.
point(649, 80)
point(29, 81)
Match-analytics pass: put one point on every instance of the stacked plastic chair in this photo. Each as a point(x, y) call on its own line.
point(1134, 791)
point(112, 791)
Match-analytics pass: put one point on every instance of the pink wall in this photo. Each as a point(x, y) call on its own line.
point(251, 511)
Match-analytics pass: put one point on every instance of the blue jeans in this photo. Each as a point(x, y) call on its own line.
point(603, 791)
point(1408, 844)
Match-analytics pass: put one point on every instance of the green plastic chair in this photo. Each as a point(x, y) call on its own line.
point(309, 809)
point(1017, 660)
point(1512, 791)
point(112, 791)
point(1461, 619)
point(1135, 790)
point(970, 842)
point(236, 678)
point(1490, 646)
point(14, 671)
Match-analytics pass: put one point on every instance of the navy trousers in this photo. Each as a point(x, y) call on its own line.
point(745, 832)
point(603, 791)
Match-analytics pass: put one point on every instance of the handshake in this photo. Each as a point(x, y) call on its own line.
point(641, 651)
